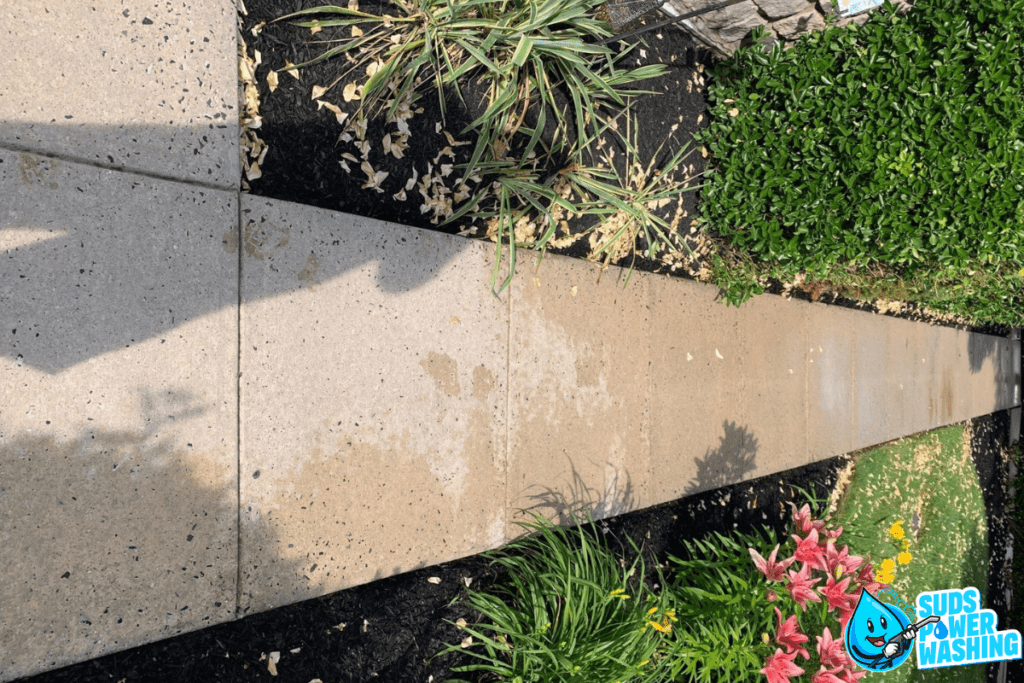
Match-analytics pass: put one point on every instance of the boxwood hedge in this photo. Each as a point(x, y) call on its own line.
point(896, 143)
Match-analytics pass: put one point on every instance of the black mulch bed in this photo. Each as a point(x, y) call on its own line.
point(406, 614)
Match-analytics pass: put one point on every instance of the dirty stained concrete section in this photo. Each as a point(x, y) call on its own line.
point(372, 402)
point(579, 402)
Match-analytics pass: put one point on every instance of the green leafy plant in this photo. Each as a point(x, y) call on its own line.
point(568, 612)
point(719, 597)
point(896, 147)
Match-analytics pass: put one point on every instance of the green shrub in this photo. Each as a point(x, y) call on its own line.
point(896, 145)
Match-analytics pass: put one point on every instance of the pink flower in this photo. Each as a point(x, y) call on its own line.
point(809, 552)
point(772, 569)
point(826, 676)
point(772, 596)
point(834, 558)
point(780, 667)
point(866, 580)
point(851, 676)
point(844, 617)
point(803, 521)
point(831, 652)
point(833, 533)
point(837, 595)
point(787, 636)
point(799, 587)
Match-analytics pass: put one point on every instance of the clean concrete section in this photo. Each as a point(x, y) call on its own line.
point(142, 85)
point(728, 395)
point(373, 394)
point(118, 400)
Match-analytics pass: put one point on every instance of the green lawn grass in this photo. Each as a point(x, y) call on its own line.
point(933, 475)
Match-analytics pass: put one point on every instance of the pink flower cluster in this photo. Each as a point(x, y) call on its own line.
point(816, 552)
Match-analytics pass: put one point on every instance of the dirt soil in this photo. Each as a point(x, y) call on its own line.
point(395, 626)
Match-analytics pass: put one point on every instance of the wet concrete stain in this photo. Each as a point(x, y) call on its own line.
point(310, 272)
point(230, 240)
point(35, 170)
point(444, 371)
point(364, 508)
point(483, 382)
point(262, 240)
point(947, 394)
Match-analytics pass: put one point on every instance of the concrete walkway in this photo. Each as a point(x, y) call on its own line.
point(214, 404)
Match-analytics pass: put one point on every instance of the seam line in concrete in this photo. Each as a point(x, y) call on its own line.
point(106, 167)
point(238, 422)
point(508, 408)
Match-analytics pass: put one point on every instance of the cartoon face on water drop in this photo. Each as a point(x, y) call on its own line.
point(872, 626)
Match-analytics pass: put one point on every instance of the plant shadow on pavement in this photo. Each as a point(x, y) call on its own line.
point(732, 461)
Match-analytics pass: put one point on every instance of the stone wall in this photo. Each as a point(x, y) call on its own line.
point(784, 20)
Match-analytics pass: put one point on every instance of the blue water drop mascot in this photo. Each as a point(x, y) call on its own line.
point(879, 636)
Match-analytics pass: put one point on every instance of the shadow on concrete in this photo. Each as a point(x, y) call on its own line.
point(98, 260)
point(112, 538)
point(1006, 360)
point(567, 507)
point(729, 463)
point(979, 348)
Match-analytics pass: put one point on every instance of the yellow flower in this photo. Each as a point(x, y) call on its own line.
point(884, 577)
point(652, 610)
point(896, 530)
point(905, 557)
point(659, 627)
point(618, 593)
point(906, 543)
point(888, 566)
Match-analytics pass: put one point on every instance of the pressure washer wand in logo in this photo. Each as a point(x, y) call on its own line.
point(894, 647)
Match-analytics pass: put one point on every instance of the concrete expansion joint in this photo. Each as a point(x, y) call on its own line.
point(67, 158)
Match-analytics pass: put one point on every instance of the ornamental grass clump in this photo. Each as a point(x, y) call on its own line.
point(533, 212)
point(523, 50)
point(550, 89)
point(568, 612)
point(884, 156)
